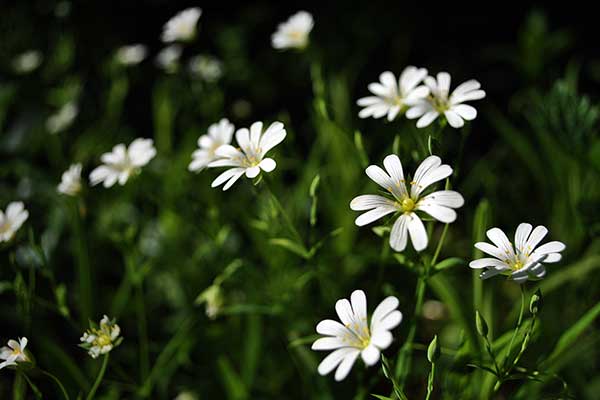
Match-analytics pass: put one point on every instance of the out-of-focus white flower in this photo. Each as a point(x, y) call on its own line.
point(521, 262)
point(440, 205)
point(391, 96)
point(70, 183)
point(218, 135)
point(182, 27)
point(102, 340)
point(11, 220)
point(249, 159)
point(451, 106)
point(354, 336)
point(206, 67)
point(63, 118)
point(294, 32)
point(132, 54)
point(213, 298)
point(14, 353)
point(168, 58)
point(122, 162)
point(27, 62)
point(186, 395)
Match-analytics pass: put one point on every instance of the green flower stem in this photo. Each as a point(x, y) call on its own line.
point(83, 264)
point(33, 387)
point(439, 245)
point(488, 347)
point(58, 383)
point(142, 327)
point(92, 392)
point(519, 322)
point(430, 380)
point(524, 347)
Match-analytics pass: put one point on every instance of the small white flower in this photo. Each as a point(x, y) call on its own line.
point(294, 32)
point(98, 341)
point(391, 96)
point(206, 67)
point(451, 106)
point(186, 395)
point(70, 183)
point(11, 220)
point(27, 62)
point(212, 296)
point(218, 135)
point(438, 204)
point(182, 27)
point(63, 118)
point(354, 336)
point(14, 353)
point(249, 159)
point(521, 262)
point(122, 162)
point(132, 54)
point(168, 58)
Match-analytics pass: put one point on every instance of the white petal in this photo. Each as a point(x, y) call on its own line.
point(382, 338)
point(252, 172)
point(467, 86)
point(550, 247)
point(461, 98)
point(346, 365)
point(385, 308)
point(521, 235)
point(429, 172)
point(370, 355)
point(418, 110)
point(418, 234)
point(242, 136)
point(491, 273)
point(498, 237)
point(328, 343)
point(388, 322)
point(417, 95)
point(368, 101)
point(359, 304)
point(374, 215)
point(274, 135)
point(491, 250)
point(369, 201)
point(465, 111)
point(399, 233)
point(379, 176)
point(233, 179)
point(344, 311)
point(443, 81)
point(393, 166)
point(268, 164)
point(487, 262)
point(536, 237)
point(454, 119)
point(331, 328)
point(441, 213)
point(332, 360)
point(553, 257)
point(427, 118)
point(446, 198)
point(226, 175)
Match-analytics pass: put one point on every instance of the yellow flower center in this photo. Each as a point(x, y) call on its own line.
point(407, 205)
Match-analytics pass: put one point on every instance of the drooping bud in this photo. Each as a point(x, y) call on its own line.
point(433, 351)
point(535, 305)
point(482, 327)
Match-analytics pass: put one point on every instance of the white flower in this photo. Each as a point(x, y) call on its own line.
point(182, 26)
point(168, 58)
point(438, 204)
point(132, 54)
point(294, 32)
point(249, 159)
point(521, 262)
point(11, 221)
point(392, 96)
point(354, 335)
point(63, 118)
point(27, 62)
point(70, 183)
point(186, 395)
point(101, 340)
point(218, 135)
point(122, 162)
point(438, 102)
point(206, 67)
point(14, 353)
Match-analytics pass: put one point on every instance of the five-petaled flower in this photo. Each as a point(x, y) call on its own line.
point(440, 102)
point(98, 341)
point(391, 96)
point(218, 135)
point(355, 336)
point(70, 183)
point(438, 204)
point(14, 353)
point(11, 220)
point(182, 27)
point(250, 158)
point(293, 33)
point(522, 261)
point(122, 162)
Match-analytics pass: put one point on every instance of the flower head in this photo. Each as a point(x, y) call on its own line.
point(250, 158)
point(182, 27)
point(70, 183)
point(355, 336)
point(14, 353)
point(206, 67)
point(294, 32)
point(522, 261)
point(27, 62)
point(63, 118)
point(131, 55)
point(168, 58)
point(439, 102)
point(122, 162)
point(391, 96)
point(11, 220)
point(440, 205)
point(218, 135)
point(101, 340)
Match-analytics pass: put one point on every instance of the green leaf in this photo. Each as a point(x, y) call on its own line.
point(291, 246)
point(234, 386)
point(448, 263)
point(381, 397)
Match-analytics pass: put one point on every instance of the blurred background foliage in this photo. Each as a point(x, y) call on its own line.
point(169, 247)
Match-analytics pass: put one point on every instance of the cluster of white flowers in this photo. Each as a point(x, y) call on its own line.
point(102, 340)
point(11, 220)
point(14, 353)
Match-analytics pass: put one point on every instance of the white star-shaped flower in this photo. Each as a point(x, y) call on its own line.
point(293, 33)
point(440, 205)
point(70, 183)
point(218, 135)
point(250, 158)
point(182, 27)
point(355, 336)
point(14, 353)
point(102, 340)
point(131, 55)
point(523, 261)
point(11, 220)
point(122, 162)
point(439, 102)
point(391, 96)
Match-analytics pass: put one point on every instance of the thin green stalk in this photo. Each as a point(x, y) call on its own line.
point(142, 327)
point(488, 347)
point(83, 265)
point(281, 210)
point(439, 245)
point(33, 387)
point(430, 380)
point(519, 322)
point(92, 392)
point(58, 383)
point(524, 347)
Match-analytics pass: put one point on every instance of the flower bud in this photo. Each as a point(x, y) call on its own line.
point(482, 327)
